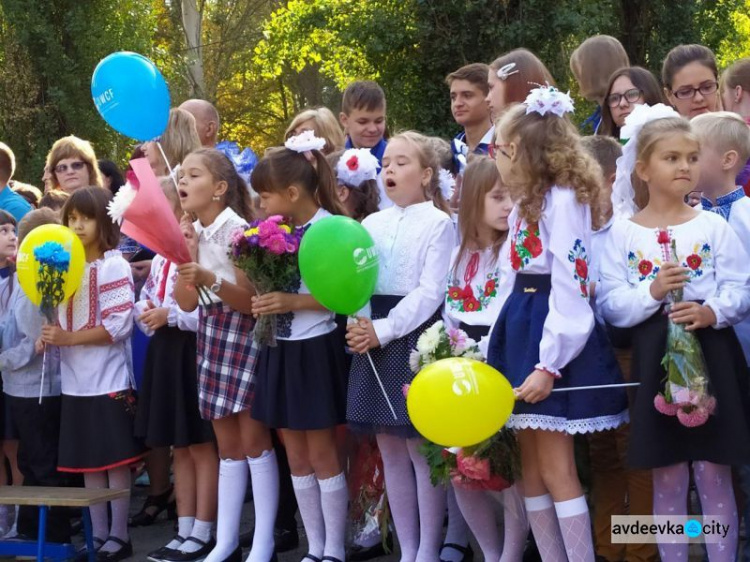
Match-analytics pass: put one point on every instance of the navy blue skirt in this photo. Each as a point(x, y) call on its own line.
point(514, 351)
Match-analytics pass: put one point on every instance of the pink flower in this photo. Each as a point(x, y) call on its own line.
point(276, 245)
point(710, 404)
point(472, 467)
point(275, 218)
point(267, 229)
point(695, 418)
point(457, 338)
point(405, 390)
point(664, 407)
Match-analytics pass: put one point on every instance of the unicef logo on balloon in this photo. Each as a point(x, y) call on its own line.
point(365, 258)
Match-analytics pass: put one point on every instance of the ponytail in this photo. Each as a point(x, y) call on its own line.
point(325, 194)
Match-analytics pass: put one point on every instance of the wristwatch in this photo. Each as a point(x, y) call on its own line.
point(216, 287)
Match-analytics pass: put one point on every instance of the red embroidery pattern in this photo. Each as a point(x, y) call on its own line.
point(114, 309)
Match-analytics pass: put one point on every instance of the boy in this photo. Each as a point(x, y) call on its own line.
point(363, 118)
point(613, 486)
point(468, 89)
point(9, 200)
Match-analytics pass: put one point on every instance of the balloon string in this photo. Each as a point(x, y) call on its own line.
point(44, 368)
point(171, 172)
point(595, 386)
point(382, 388)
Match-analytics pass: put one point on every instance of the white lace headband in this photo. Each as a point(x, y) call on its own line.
point(548, 99)
point(623, 194)
point(356, 166)
point(305, 143)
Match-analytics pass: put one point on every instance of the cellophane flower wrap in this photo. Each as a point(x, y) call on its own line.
point(493, 464)
point(54, 262)
point(267, 251)
point(686, 394)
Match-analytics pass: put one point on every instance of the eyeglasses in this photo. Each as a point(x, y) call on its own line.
point(706, 89)
point(494, 149)
point(631, 96)
point(62, 168)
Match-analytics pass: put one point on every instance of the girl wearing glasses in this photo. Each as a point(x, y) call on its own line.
point(72, 163)
point(691, 80)
point(627, 87)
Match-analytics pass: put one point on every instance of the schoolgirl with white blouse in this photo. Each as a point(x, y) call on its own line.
point(545, 336)
point(639, 277)
point(414, 239)
point(98, 400)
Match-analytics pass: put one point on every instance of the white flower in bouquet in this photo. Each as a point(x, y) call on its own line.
point(121, 202)
point(415, 359)
point(427, 343)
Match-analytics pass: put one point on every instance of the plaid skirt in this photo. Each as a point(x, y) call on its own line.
point(226, 361)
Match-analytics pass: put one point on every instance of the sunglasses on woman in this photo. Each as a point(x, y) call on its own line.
point(631, 96)
point(62, 168)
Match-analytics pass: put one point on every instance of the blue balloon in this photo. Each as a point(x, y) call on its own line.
point(131, 95)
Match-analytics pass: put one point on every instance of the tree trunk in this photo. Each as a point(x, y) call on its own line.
point(192, 20)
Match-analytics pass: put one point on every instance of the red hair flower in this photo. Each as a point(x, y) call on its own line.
point(353, 163)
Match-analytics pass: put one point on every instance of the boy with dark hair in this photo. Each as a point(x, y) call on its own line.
point(9, 200)
point(468, 89)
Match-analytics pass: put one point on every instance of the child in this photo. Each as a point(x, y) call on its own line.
point(735, 96)
point(168, 413)
point(691, 80)
point(413, 239)
point(37, 424)
point(468, 90)
point(615, 489)
point(210, 188)
point(511, 77)
point(54, 199)
point(363, 118)
point(635, 287)
point(304, 398)
point(98, 401)
point(471, 304)
point(10, 201)
point(545, 336)
point(356, 177)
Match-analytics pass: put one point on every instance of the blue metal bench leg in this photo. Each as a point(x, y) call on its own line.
point(42, 539)
point(88, 533)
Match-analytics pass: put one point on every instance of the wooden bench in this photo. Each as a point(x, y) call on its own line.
point(44, 498)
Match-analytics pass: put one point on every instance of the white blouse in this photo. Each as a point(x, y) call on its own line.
point(557, 246)
point(471, 296)
point(414, 246)
point(214, 243)
point(176, 317)
point(104, 298)
point(706, 245)
point(305, 324)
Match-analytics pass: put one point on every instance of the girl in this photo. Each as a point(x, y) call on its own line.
point(691, 80)
point(471, 304)
point(210, 188)
point(544, 336)
point(168, 414)
point(636, 285)
point(735, 96)
point(180, 138)
point(98, 402)
point(413, 239)
point(72, 164)
point(356, 178)
point(627, 87)
point(302, 381)
point(511, 78)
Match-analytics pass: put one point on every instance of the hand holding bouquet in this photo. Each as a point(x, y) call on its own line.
point(267, 251)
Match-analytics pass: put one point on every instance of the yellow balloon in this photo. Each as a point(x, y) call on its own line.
point(459, 402)
point(28, 267)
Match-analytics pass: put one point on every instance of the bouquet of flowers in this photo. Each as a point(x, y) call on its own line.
point(54, 262)
point(685, 392)
point(490, 465)
point(267, 251)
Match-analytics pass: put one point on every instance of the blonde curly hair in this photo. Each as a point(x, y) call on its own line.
point(548, 152)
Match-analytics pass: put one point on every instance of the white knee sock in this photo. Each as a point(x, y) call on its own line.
point(307, 491)
point(575, 524)
point(543, 520)
point(184, 528)
point(264, 474)
point(232, 485)
point(334, 499)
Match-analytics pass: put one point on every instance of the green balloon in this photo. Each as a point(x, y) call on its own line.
point(339, 264)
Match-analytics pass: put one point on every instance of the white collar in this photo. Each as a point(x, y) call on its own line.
point(212, 228)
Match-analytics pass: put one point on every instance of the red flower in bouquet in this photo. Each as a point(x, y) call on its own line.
point(472, 467)
point(694, 261)
point(645, 267)
point(533, 244)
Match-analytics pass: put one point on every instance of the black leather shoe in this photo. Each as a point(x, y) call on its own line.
point(361, 553)
point(125, 551)
point(284, 539)
point(466, 551)
point(162, 553)
point(200, 554)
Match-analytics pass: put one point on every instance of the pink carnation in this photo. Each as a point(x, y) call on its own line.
point(266, 229)
point(472, 467)
point(276, 244)
point(664, 407)
point(695, 418)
